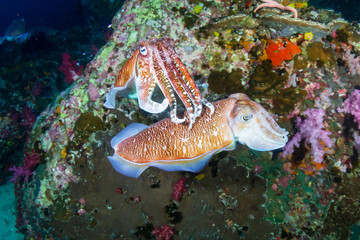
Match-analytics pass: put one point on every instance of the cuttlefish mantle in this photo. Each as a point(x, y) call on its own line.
point(175, 147)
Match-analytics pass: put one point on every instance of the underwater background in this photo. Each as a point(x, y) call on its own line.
point(59, 60)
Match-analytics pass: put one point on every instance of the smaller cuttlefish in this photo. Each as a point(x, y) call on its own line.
point(175, 147)
point(155, 63)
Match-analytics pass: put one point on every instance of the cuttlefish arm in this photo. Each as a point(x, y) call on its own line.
point(175, 147)
point(155, 63)
point(132, 83)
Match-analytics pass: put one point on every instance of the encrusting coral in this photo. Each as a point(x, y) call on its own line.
point(281, 50)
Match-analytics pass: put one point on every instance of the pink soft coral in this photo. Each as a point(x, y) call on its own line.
point(352, 106)
point(29, 117)
point(27, 168)
point(179, 188)
point(353, 63)
point(70, 68)
point(312, 130)
point(164, 232)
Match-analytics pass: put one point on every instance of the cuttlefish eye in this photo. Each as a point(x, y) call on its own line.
point(143, 50)
point(246, 117)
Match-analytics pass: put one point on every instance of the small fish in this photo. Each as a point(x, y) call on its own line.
point(175, 147)
point(16, 31)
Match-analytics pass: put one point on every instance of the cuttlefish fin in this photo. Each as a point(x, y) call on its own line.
point(133, 169)
point(128, 91)
point(124, 82)
point(191, 164)
point(122, 165)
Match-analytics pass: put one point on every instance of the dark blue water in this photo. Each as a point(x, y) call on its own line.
point(63, 14)
point(349, 9)
point(59, 15)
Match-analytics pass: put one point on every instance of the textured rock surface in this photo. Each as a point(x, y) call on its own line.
point(75, 193)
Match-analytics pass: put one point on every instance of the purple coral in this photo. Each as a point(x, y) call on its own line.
point(29, 117)
point(312, 130)
point(27, 168)
point(352, 106)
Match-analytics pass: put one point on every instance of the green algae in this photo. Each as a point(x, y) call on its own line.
point(265, 80)
point(106, 52)
point(320, 55)
point(225, 82)
point(84, 126)
point(267, 83)
point(149, 10)
point(63, 208)
point(300, 62)
point(342, 35)
point(133, 38)
point(298, 200)
point(198, 9)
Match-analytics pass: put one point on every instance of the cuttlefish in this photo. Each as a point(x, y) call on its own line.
point(155, 63)
point(175, 147)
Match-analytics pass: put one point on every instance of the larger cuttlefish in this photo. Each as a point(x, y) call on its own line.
point(175, 147)
point(156, 63)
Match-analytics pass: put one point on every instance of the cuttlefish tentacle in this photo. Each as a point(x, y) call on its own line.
point(164, 80)
point(124, 82)
point(182, 82)
point(175, 147)
point(157, 63)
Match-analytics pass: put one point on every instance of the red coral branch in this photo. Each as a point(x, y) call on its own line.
point(164, 232)
point(71, 69)
point(179, 188)
point(27, 168)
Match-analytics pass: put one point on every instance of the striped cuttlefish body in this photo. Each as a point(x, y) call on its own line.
point(175, 147)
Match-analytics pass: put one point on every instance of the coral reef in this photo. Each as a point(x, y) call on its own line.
point(303, 71)
point(352, 106)
point(70, 68)
point(27, 168)
point(312, 131)
point(281, 50)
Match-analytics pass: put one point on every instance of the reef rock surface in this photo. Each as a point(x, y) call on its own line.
point(288, 65)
